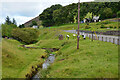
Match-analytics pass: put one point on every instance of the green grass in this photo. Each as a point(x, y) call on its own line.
point(96, 26)
point(17, 61)
point(95, 59)
point(0, 60)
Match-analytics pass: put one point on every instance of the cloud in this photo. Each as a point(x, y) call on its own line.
point(19, 19)
point(24, 10)
point(22, 19)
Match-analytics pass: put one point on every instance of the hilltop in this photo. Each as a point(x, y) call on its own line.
point(29, 23)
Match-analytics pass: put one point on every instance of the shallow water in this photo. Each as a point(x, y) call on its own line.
point(45, 65)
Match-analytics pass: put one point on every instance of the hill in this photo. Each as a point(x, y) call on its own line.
point(29, 23)
point(95, 59)
point(58, 14)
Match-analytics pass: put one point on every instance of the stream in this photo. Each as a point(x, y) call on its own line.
point(45, 65)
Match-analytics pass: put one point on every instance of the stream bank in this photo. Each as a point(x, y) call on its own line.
point(49, 59)
point(45, 65)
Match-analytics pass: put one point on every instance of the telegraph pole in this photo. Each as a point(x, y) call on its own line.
point(78, 24)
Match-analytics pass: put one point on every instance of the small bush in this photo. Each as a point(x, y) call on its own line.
point(48, 51)
point(102, 26)
point(114, 27)
point(118, 27)
point(105, 22)
point(86, 27)
point(98, 23)
point(110, 27)
point(25, 35)
point(118, 14)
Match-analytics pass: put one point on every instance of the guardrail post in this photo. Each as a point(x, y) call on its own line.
point(118, 41)
point(113, 40)
point(92, 36)
point(89, 36)
point(109, 39)
point(102, 38)
point(106, 39)
point(98, 37)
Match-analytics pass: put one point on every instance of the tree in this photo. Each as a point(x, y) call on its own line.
point(47, 15)
point(14, 21)
point(7, 30)
point(59, 16)
point(89, 15)
point(106, 13)
point(21, 26)
point(34, 23)
point(7, 21)
point(56, 15)
point(118, 14)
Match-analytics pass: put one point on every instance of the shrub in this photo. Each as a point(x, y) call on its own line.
point(25, 35)
point(110, 26)
point(102, 26)
point(86, 27)
point(114, 27)
point(118, 13)
point(105, 22)
point(7, 30)
point(22, 26)
point(118, 27)
point(98, 23)
point(106, 13)
point(48, 51)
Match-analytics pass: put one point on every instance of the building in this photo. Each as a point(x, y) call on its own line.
point(35, 27)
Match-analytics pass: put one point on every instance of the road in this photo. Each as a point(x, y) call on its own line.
point(106, 38)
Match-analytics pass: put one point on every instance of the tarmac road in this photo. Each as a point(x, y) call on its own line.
point(106, 38)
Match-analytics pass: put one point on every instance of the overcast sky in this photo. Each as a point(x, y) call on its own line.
point(24, 10)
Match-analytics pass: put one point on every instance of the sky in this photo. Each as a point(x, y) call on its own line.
point(25, 10)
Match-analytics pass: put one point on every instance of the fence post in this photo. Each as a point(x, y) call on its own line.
point(92, 35)
point(109, 39)
point(86, 34)
point(118, 41)
point(89, 36)
point(102, 38)
point(98, 37)
point(106, 39)
point(113, 40)
point(95, 37)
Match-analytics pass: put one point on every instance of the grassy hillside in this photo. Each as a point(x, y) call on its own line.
point(96, 26)
point(0, 60)
point(17, 61)
point(95, 59)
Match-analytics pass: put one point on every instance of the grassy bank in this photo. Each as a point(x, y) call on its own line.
point(17, 61)
point(98, 26)
point(95, 59)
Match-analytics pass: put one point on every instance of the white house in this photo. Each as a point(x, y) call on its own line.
point(35, 27)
